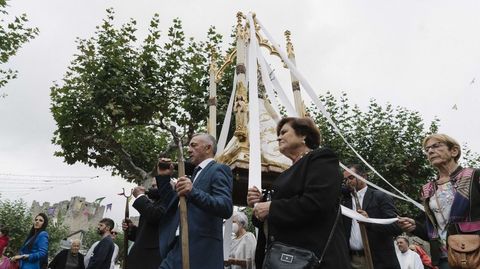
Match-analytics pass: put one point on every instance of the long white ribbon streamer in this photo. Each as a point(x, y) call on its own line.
point(323, 110)
point(357, 216)
point(370, 183)
point(273, 83)
point(222, 140)
point(255, 163)
point(267, 82)
point(287, 103)
point(227, 237)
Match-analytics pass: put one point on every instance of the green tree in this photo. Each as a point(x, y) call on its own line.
point(121, 248)
point(17, 218)
point(388, 137)
point(57, 231)
point(12, 36)
point(90, 237)
point(118, 99)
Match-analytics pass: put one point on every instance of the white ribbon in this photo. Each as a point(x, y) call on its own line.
point(370, 183)
point(222, 140)
point(255, 163)
point(273, 83)
point(359, 217)
point(227, 237)
point(267, 82)
point(323, 110)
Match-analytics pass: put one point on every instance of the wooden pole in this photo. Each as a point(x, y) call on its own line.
point(183, 207)
point(125, 236)
point(363, 232)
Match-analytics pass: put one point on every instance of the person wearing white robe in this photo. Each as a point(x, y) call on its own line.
point(242, 247)
point(407, 258)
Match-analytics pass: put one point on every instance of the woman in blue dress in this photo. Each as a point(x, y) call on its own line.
point(35, 247)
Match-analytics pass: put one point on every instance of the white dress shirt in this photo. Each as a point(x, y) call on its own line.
point(202, 165)
point(356, 242)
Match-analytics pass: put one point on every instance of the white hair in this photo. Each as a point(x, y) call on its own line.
point(241, 218)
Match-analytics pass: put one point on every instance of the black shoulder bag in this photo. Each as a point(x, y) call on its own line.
point(283, 256)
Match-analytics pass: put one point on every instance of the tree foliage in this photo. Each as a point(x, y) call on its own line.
point(118, 99)
point(90, 237)
point(388, 137)
point(57, 231)
point(16, 217)
point(12, 36)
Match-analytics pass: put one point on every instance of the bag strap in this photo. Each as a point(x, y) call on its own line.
point(330, 236)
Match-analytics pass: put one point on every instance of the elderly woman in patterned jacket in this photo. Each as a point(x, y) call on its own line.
point(451, 200)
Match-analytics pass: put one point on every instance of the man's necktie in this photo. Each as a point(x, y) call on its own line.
point(195, 172)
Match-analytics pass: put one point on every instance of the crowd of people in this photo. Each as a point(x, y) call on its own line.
point(33, 253)
point(300, 214)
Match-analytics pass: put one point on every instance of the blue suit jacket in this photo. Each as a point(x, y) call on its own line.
point(209, 202)
point(39, 251)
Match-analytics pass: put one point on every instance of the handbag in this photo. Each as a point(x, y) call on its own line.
point(283, 256)
point(464, 251)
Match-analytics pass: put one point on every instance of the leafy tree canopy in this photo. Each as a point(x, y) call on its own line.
point(12, 36)
point(118, 99)
point(388, 137)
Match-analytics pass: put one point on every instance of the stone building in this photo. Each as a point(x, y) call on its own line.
point(78, 214)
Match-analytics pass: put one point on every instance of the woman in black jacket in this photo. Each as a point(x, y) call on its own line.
point(305, 201)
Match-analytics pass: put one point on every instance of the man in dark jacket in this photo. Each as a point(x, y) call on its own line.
point(102, 254)
point(68, 258)
point(374, 204)
point(145, 253)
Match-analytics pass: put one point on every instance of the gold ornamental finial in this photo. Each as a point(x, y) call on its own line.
point(239, 18)
point(290, 51)
point(240, 30)
point(287, 36)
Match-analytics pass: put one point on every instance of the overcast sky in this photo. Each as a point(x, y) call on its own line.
point(420, 54)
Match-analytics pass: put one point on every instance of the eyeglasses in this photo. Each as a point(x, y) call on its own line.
point(350, 177)
point(433, 146)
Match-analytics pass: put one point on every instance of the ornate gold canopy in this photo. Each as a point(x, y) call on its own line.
point(236, 152)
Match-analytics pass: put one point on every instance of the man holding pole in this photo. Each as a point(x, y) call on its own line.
point(209, 200)
point(369, 202)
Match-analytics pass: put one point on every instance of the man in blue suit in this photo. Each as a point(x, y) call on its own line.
point(209, 201)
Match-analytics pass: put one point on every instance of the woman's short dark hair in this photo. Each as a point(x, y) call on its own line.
point(303, 126)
